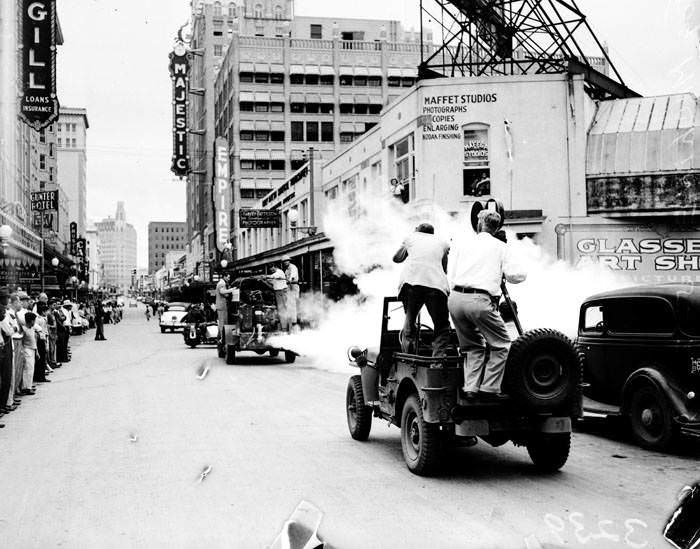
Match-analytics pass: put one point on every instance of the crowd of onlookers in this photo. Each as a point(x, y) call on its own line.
point(36, 338)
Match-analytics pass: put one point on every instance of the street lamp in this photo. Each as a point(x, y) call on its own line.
point(293, 216)
point(54, 262)
point(224, 263)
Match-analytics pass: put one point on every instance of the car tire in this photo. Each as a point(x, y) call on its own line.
point(650, 417)
point(274, 353)
point(358, 414)
point(549, 451)
point(543, 370)
point(289, 357)
point(230, 354)
point(162, 330)
point(420, 441)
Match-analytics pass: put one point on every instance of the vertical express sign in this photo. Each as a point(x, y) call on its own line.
point(73, 238)
point(180, 75)
point(38, 102)
point(222, 193)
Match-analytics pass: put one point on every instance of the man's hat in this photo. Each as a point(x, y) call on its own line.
point(23, 295)
point(4, 291)
point(67, 303)
point(286, 258)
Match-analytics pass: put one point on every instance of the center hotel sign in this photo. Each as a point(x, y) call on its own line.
point(222, 193)
point(180, 75)
point(38, 103)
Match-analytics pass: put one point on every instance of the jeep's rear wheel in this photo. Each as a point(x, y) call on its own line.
point(549, 451)
point(289, 357)
point(359, 415)
point(420, 441)
point(543, 370)
point(230, 354)
point(274, 352)
point(650, 417)
point(162, 330)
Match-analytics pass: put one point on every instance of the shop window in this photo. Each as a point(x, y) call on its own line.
point(277, 165)
point(276, 136)
point(316, 32)
point(345, 80)
point(327, 80)
point(327, 131)
point(247, 106)
point(247, 135)
point(297, 131)
point(296, 79)
point(359, 81)
point(247, 165)
point(476, 173)
point(276, 107)
point(394, 82)
point(262, 78)
point(262, 136)
point(312, 131)
point(246, 77)
point(276, 78)
point(326, 108)
point(296, 107)
point(374, 81)
point(311, 79)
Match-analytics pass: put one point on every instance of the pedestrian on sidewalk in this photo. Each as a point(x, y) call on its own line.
point(42, 338)
point(148, 314)
point(29, 350)
point(99, 323)
point(17, 349)
point(6, 331)
point(63, 332)
point(51, 324)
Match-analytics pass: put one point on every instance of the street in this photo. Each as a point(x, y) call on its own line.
point(111, 454)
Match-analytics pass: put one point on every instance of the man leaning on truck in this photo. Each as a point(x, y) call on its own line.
point(221, 305)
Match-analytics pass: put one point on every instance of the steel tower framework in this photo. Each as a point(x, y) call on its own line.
point(515, 37)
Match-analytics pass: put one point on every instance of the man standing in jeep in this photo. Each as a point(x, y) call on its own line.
point(222, 291)
point(423, 282)
point(475, 271)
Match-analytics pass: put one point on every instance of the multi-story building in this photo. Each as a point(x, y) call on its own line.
point(283, 84)
point(164, 237)
point(117, 240)
point(93, 255)
point(72, 163)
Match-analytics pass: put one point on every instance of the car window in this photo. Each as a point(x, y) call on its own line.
point(639, 315)
point(593, 319)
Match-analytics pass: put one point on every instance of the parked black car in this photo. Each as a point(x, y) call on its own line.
point(641, 354)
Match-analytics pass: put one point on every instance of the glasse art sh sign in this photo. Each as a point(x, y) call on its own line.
point(38, 102)
point(180, 75)
point(222, 193)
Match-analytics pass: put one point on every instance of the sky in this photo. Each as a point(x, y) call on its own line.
point(114, 62)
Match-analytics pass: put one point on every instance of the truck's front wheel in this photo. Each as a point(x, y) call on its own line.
point(359, 415)
point(420, 441)
point(549, 452)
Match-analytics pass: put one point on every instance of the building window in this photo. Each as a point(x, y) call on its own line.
point(42, 136)
point(60, 142)
point(258, 11)
point(277, 78)
point(312, 131)
point(262, 107)
point(296, 107)
point(217, 9)
point(262, 136)
point(259, 30)
point(327, 108)
point(346, 108)
point(327, 80)
point(347, 137)
point(317, 32)
point(246, 135)
point(375, 109)
point(404, 167)
point(311, 79)
point(73, 145)
point(276, 107)
point(332, 193)
point(296, 79)
point(276, 136)
point(361, 108)
point(51, 175)
point(394, 82)
point(359, 81)
point(42, 161)
point(218, 50)
point(374, 81)
point(262, 164)
point(247, 165)
point(345, 80)
point(312, 108)
point(262, 78)
point(278, 12)
point(407, 82)
point(297, 131)
point(51, 150)
point(246, 77)
point(247, 107)
point(231, 9)
point(277, 165)
point(327, 131)
point(476, 175)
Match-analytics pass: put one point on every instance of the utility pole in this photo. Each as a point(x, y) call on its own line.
point(312, 189)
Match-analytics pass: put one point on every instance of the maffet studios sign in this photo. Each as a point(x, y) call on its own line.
point(180, 75)
point(259, 219)
point(38, 102)
point(43, 201)
point(222, 193)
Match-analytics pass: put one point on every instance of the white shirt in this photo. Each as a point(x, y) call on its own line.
point(278, 279)
point(423, 265)
point(481, 262)
point(292, 274)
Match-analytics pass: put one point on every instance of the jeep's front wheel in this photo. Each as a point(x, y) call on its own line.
point(650, 417)
point(549, 452)
point(420, 441)
point(359, 415)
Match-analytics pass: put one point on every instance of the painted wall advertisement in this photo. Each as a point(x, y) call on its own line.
point(180, 75)
point(441, 118)
point(639, 253)
point(222, 193)
point(38, 102)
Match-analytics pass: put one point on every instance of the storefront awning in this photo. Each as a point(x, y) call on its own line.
point(396, 73)
point(361, 71)
point(312, 69)
point(644, 135)
point(276, 68)
point(277, 155)
point(247, 155)
point(327, 70)
point(247, 126)
point(247, 183)
point(262, 67)
point(246, 67)
point(296, 69)
point(345, 71)
point(246, 97)
point(262, 155)
point(375, 71)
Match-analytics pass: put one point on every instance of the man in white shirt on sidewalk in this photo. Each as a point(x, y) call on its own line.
point(423, 282)
point(475, 271)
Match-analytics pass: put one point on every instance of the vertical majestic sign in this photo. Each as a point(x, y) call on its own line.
point(222, 193)
point(38, 102)
point(180, 75)
point(73, 238)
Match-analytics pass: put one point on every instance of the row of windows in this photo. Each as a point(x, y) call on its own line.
point(71, 143)
point(264, 165)
point(312, 131)
point(170, 230)
point(254, 193)
point(231, 11)
point(250, 135)
point(325, 79)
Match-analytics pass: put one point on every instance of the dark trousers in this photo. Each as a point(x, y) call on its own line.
point(414, 298)
point(99, 331)
point(40, 365)
point(5, 370)
point(62, 345)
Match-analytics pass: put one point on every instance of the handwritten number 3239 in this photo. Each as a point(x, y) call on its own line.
point(557, 527)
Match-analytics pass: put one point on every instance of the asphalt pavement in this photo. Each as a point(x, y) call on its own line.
point(143, 442)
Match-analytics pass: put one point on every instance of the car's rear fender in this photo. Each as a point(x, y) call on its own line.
point(406, 389)
point(665, 382)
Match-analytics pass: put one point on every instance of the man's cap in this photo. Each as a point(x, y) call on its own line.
point(23, 295)
point(286, 258)
point(42, 297)
point(67, 302)
point(4, 291)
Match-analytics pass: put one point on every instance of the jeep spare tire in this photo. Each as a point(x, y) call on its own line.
point(543, 370)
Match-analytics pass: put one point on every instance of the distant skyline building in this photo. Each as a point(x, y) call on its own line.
point(93, 255)
point(72, 163)
point(117, 240)
point(164, 237)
